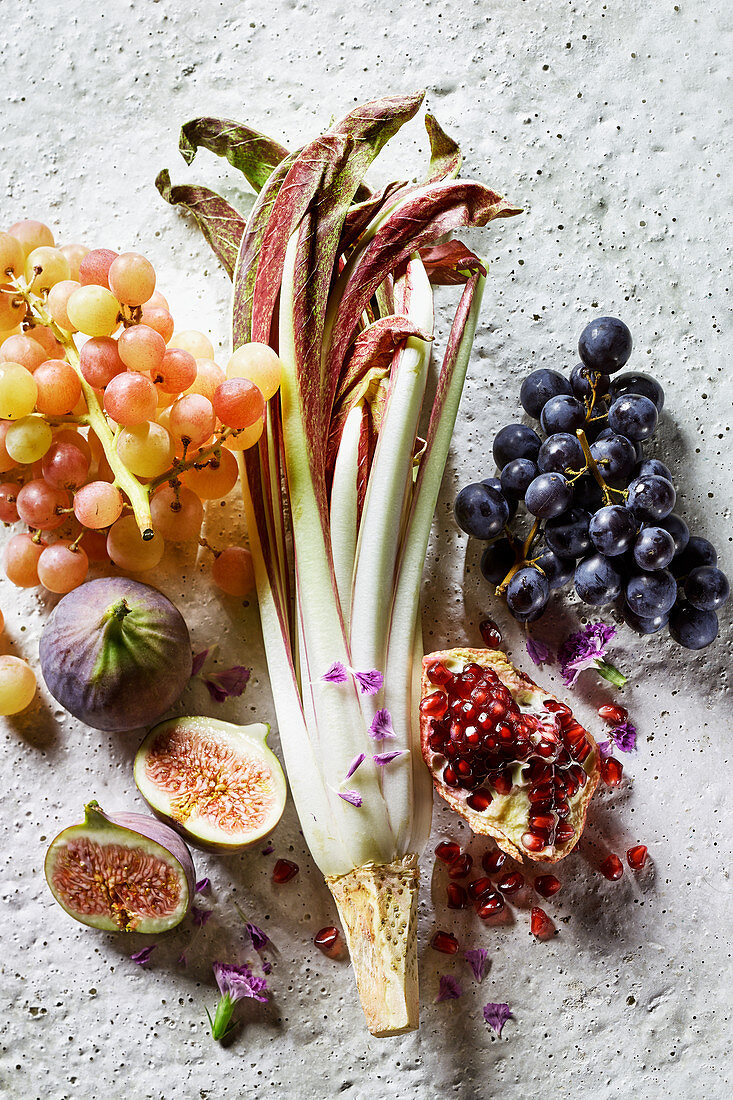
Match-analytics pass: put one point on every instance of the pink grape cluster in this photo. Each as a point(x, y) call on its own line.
point(102, 405)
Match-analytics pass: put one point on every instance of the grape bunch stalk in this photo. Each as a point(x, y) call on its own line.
point(114, 430)
point(601, 513)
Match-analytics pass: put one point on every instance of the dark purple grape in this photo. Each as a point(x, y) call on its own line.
point(585, 381)
point(633, 416)
point(707, 588)
point(697, 552)
point(637, 382)
point(612, 530)
point(515, 441)
point(605, 344)
point(653, 549)
point(539, 386)
point(548, 495)
point(495, 483)
point(496, 560)
point(597, 581)
point(559, 571)
point(562, 414)
point(527, 592)
point(651, 497)
point(481, 511)
point(567, 534)
point(650, 594)
point(653, 466)
point(560, 454)
point(644, 626)
point(678, 530)
point(587, 493)
point(615, 457)
point(692, 628)
point(516, 476)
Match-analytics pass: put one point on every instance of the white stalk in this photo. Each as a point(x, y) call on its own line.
point(344, 508)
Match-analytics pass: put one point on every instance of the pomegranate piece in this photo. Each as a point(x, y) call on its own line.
point(447, 851)
point(445, 942)
point(636, 857)
point(490, 633)
point(479, 800)
point(547, 885)
point(612, 867)
point(479, 887)
point(489, 905)
point(328, 940)
point(457, 897)
point(613, 713)
point(540, 924)
point(612, 771)
point(460, 867)
point(284, 870)
point(495, 861)
point(511, 883)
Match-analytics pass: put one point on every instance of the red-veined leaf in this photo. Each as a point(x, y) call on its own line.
point(222, 226)
point(450, 263)
point(250, 152)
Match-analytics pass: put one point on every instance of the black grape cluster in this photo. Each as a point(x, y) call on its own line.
point(602, 513)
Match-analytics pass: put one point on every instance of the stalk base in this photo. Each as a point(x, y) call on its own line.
point(378, 909)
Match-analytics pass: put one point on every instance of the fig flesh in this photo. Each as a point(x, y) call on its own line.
point(121, 872)
point(506, 754)
point(217, 783)
point(116, 654)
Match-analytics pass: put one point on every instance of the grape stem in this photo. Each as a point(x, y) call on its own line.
point(595, 469)
point(521, 557)
point(180, 466)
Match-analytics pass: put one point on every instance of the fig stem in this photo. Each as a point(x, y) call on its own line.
point(119, 610)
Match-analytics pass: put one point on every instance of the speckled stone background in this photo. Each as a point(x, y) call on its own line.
point(610, 124)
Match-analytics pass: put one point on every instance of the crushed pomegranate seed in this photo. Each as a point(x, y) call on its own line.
point(457, 896)
point(488, 905)
point(540, 924)
point(490, 633)
point(511, 883)
point(613, 713)
point(479, 887)
point(447, 851)
point(636, 857)
point(284, 870)
point(494, 861)
point(445, 942)
point(612, 771)
point(460, 867)
point(547, 885)
point(612, 867)
point(328, 940)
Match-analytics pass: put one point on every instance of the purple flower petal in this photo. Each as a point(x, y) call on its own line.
point(268, 849)
point(238, 982)
point(182, 960)
point(477, 959)
point(198, 661)
point(200, 916)
point(382, 758)
point(582, 649)
point(351, 796)
point(624, 736)
point(230, 682)
point(259, 938)
point(381, 728)
point(496, 1015)
point(448, 990)
point(141, 957)
point(355, 763)
point(538, 652)
point(605, 748)
point(369, 682)
point(336, 674)
point(203, 886)
point(266, 967)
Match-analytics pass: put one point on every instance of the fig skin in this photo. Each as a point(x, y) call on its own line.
point(125, 829)
point(116, 654)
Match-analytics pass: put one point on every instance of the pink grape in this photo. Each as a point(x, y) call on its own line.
point(58, 296)
point(6, 462)
point(159, 319)
point(94, 268)
point(157, 301)
point(177, 371)
point(32, 234)
point(64, 465)
point(24, 350)
point(43, 336)
point(130, 399)
point(233, 571)
point(131, 279)
point(39, 504)
point(98, 504)
point(239, 403)
point(100, 361)
point(60, 568)
point(8, 497)
point(216, 476)
point(21, 560)
point(192, 419)
point(177, 518)
point(208, 376)
point(141, 348)
point(59, 387)
point(70, 435)
point(74, 253)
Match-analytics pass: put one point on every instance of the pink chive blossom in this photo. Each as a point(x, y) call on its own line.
point(141, 957)
point(369, 682)
point(198, 661)
point(200, 916)
point(538, 652)
point(268, 849)
point(259, 938)
point(381, 728)
point(238, 982)
point(477, 959)
point(353, 797)
point(624, 736)
point(448, 989)
point(382, 758)
point(496, 1015)
point(335, 674)
point(203, 886)
point(230, 683)
point(355, 763)
point(586, 649)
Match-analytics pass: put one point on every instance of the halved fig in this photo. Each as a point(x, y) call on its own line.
point(215, 782)
point(121, 872)
point(506, 754)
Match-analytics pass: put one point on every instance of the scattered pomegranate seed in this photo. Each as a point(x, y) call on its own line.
point(460, 867)
point(479, 800)
point(447, 851)
point(511, 883)
point(490, 633)
point(612, 867)
point(284, 870)
point(329, 941)
point(540, 924)
point(613, 713)
point(636, 857)
point(612, 771)
point(489, 905)
point(547, 885)
point(479, 887)
point(457, 897)
point(494, 861)
point(444, 942)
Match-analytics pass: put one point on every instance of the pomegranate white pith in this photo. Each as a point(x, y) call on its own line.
point(507, 755)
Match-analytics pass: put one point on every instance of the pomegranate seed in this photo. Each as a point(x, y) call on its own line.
point(449, 777)
point(581, 751)
point(547, 885)
point(436, 741)
point(489, 905)
point(533, 842)
point(460, 867)
point(555, 707)
point(457, 898)
point(613, 713)
point(538, 771)
point(329, 941)
point(540, 924)
point(434, 705)
point(502, 783)
point(490, 633)
point(284, 870)
point(444, 942)
point(636, 857)
point(439, 674)
point(479, 800)
point(494, 861)
point(541, 821)
point(612, 771)
point(511, 883)
point(447, 851)
point(564, 833)
point(546, 748)
point(479, 887)
point(541, 792)
point(612, 867)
